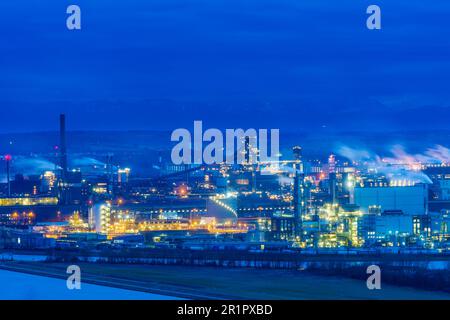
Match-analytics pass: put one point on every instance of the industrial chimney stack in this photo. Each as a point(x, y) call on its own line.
point(63, 146)
point(63, 159)
point(8, 159)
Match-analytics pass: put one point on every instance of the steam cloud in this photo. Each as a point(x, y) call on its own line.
point(86, 162)
point(436, 155)
point(28, 166)
point(401, 164)
point(35, 166)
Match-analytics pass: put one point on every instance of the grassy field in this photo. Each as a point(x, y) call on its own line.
point(220, 283)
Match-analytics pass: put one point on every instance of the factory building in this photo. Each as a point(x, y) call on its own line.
point(440, 176)
point(411, 200)
point(24, 239)
point(440, 188)
point(100, 217)
point(175, 208)
point(439, 225)
point(390, 227)
point(27, 210)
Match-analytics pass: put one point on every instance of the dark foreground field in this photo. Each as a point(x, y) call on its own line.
point(220, 283)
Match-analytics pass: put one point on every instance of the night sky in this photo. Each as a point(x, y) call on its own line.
point(289, 64)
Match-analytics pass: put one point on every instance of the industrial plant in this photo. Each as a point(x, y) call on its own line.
point(297, 204)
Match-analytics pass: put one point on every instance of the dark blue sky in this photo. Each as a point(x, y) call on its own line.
point(160, 64)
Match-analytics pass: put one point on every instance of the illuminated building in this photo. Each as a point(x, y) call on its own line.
point(76, 223)
point(43, 208)
point(412, 200)
point(422, 226)
point(28, 201)
point(48, 182)
point(163, 209)
point(282, 228)
point(25, 186)
point(123, 175)
point(440, 226)
point(332, 177)
point(299, 192)
point(100, 217)
point(440, 188)
point(333, 226)
point(391, 228)
point(100, 188)
point(332, 164)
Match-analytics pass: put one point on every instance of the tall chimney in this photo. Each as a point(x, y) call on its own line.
point(8, 159)
point(298, 191)
point(63, 146)
point(297, 204)
point(63, 159)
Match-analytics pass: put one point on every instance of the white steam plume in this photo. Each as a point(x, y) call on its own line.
point(401, 165)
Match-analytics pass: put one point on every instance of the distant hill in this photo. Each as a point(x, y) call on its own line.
point(318, 143)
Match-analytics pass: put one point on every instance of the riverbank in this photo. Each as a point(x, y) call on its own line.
point(25, 286)
point(221, 283)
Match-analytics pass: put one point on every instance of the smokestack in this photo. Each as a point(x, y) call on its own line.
point(332, 176)
point(110, 173)
point(63, 159)
point(8, 159)
point(297, 209)
point(63, 146)
point(247, 150)
point(297, 150)
point(298, 191)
